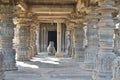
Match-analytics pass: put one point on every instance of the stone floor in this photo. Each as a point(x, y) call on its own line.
point(49, 68)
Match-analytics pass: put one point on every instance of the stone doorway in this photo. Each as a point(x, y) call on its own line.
point(52, 36)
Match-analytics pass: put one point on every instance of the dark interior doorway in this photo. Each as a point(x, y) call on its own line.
point(52, 36)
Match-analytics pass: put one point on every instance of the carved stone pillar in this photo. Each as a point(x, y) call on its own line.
point(92, 44)
point(59, 52)
point(23, 36)
point(78, 42)
point(33, 41)
point(69, 39)
point(6, 37)
point(105, 56)
point(116, 69)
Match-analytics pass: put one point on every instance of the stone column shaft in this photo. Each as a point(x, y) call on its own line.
point(38, 39)
point(92, 46)
point(32, 41)
point(78, 43)
point(59, 52)
point(23, 38)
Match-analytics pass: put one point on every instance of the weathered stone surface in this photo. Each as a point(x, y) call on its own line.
point(105, 56)
point(116, 69)
point(92, 46)
point(78, 43)
point(6, 37)
point(33, 49)
point(1, 67)
point(59, 30)
point(69, 39)
point(23, 22)
point(66, 69)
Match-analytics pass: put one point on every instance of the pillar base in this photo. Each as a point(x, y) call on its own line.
point(88, 66)
point(59, 54)
point(10, 68)
point(9, 63)
point(79, 54)
point(103, 67)
point(23, 55)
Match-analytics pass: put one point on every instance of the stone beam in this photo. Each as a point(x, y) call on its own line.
point(50, 9)
point(55, 20)
point(51, 1)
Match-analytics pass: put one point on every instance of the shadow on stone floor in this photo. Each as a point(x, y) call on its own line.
point(47, 62)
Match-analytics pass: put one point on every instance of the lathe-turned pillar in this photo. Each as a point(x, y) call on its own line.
point(105, 56)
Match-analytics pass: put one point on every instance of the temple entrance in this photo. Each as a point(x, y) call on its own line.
point(48, 32)
point(52, 36)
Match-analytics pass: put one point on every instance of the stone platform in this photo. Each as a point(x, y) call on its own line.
point(49, 68)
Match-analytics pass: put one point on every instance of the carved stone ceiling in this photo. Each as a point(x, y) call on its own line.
point(54, 9)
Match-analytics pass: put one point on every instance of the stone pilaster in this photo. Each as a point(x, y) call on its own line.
point(92, 44)
point(23, 22)
point(38, 39)
point(116, 69)
point(105, 56)
point(78, 42)
point(69, 39)
point(6, 37)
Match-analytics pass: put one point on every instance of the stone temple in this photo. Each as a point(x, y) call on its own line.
point(59, 39)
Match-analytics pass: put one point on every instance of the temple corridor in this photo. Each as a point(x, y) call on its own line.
point(59, 39)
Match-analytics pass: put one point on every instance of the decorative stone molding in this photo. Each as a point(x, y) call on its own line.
point(6, 37)
point(105, 56)
point(116, 69)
